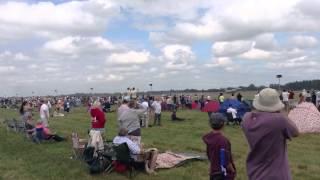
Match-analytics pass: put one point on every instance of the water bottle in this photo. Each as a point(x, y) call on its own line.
point(223, 161)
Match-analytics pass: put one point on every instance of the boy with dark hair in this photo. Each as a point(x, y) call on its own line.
point(219, 150)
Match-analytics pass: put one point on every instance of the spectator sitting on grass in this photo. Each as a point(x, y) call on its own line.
point(30, 128)
point(174, 116)
point(47, 134)
point(144, 159)
point(219, 150)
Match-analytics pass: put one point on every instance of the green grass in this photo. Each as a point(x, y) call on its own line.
point(22, 159)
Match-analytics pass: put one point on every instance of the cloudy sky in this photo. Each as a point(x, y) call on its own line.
point(110, 45)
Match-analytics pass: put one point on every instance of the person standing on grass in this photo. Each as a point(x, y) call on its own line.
point(98, 118)
point(156, 105)
point(24, 110)
point(219, 150)
point(123, 107)
point(44, 113)
point(267, 131)
point(291, 99)
point(318, 99)
point(239, 97)
point(285, 99)
point(221, 98)
point(129, 119)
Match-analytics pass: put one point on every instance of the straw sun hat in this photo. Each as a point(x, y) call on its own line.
point(268, 100)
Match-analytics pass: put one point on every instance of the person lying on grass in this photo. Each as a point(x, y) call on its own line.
point(144, 159)
point(219, 150)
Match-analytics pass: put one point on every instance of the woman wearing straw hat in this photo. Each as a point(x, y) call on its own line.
point(267, 130)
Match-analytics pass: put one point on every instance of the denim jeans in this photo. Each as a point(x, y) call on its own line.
point(157, 119)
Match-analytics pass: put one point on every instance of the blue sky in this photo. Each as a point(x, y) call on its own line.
point(113, 44)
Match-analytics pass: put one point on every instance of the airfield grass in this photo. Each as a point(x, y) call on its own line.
point(22, 159)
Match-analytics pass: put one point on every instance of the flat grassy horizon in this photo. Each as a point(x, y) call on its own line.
point(22, 159)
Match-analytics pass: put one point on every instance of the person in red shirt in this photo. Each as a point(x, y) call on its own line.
point(98, 119)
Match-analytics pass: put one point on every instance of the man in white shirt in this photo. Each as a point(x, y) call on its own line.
point(44, 113)
point(232, 111)
point(145, 116)
point(122, 138)
point(285, 99)
point(156, 105)
point(148, 157)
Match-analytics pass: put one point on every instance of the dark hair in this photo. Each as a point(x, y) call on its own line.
point(123, 132)
point(216, 121)
point(21, 107)
point(132, 104)
point(217, 126)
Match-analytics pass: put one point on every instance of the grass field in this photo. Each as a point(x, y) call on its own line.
point(22, 159)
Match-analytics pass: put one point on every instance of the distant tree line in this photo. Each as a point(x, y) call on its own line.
point(299, 85)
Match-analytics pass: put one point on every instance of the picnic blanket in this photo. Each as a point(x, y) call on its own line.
point(306, 117)
point(55, 114)
point(169, 159)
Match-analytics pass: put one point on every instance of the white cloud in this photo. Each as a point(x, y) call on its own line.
point(153, 69)
point(177, 52)
point(303, 41)
point(178, 57)
point(33, 66)
point(256, 54)
point(103, 77)
point(220, 62)
point(180, 66)
point(10, 56)
point(231, 48)
point(82, 43)
point(129, 58)
point(266, 41)
point(45, 19)
point(225, 63)
point(51, 69)
point(74, 46)
point(185, 10)
point(242, 20)
point(7, 69)
point(295, 63)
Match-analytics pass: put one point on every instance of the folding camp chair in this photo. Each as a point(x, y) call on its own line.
point(10, 124)
point(78, 145)
point(122, 155)
point(20, 126)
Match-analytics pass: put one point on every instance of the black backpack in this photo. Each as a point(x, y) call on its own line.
point(96, 164)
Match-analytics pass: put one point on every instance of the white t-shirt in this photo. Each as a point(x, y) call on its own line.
point(285, 96)
point(44, 111)
point(318, 96)
point(133, 147)
point(157, 107)
point(233, 112)
point(145, 106)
